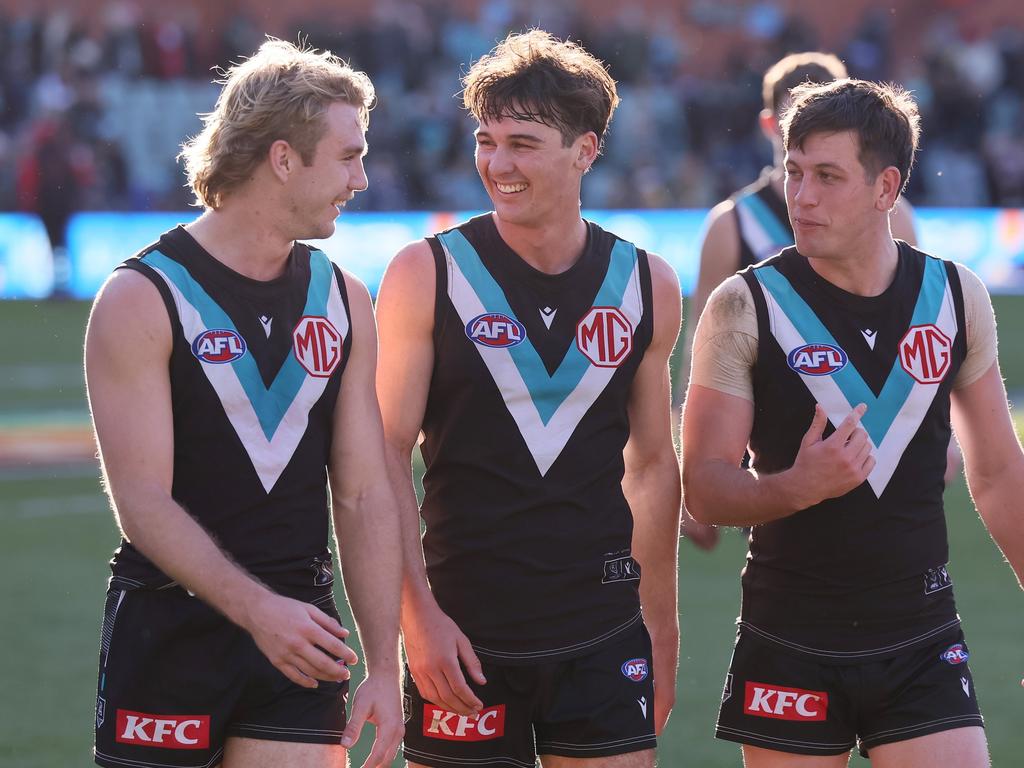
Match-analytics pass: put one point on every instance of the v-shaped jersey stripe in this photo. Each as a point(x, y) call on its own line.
point(895, 414)
point(270, 421)
point(270, 403)
point(548, 391)
point(546, 408)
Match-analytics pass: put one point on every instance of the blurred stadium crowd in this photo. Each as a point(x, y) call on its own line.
point(95, 98)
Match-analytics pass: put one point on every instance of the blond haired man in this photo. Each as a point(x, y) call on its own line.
point(230, 375)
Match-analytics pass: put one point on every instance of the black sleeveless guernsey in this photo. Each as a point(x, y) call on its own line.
point(863, 575)
point(255, 371)
point(528, 532)
point(762, 221)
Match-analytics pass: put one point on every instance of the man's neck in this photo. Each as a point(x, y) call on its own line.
point(865, 270)
point(243, 238)
point(550, 249)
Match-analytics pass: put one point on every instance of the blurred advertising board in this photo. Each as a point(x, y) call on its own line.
point(26, 260)
point(989, 241)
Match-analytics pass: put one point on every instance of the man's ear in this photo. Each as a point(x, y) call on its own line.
point(282, 159)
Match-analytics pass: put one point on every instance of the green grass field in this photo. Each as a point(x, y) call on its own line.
point(56, 536)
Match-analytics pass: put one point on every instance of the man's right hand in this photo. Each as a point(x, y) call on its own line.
point(834, 466)
point(434, 648)
point(302, 641)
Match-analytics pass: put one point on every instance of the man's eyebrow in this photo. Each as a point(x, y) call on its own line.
point(517, 136)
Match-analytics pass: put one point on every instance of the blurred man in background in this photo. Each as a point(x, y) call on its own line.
point(531, 347)
point(753, 225)
point(230, 375)
point(838, 362)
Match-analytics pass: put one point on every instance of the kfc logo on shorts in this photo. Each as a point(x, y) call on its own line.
point(635, 670)
point(496, 330)
point(166, 731)
point(441, 724)
point(778, 703)
point(925, 353)
point(955, 654)
point(317, 345)
point(605, 337)
point(218, 346)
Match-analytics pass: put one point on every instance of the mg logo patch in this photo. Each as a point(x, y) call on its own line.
point(778, 703)
point(218, 345)
point(317, 345)
point(817, 359)
point(925, 353)
point(441, 724)
point(605, 337)
point(496, 330)
point(166, 731)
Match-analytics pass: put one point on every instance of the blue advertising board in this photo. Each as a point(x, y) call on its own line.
point(989, 241)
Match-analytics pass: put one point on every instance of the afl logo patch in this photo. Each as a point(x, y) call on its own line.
point(817, 359)
point(496, 330)
point(218, 345)
point(955, 654)
point(635, 670)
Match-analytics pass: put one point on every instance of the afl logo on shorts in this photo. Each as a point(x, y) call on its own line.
point(218, 346)
point(317, 345)
point(635, 670)
point(817, 359)
point(955, 654)
point(605, 336)
point(496, 330)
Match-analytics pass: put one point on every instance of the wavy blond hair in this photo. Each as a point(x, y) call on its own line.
point(282, 92)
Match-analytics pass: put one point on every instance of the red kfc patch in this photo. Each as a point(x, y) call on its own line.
point(165, 731)
point(441, 724)
point(779, 703)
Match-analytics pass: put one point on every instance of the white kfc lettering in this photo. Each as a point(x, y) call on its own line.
point(785, 703)
point(440, 722)
point(481, 725)
point(134, 726)
point(801, 705)
point(181, 736)
point(761, 699)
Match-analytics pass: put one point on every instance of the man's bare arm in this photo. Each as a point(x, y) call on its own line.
point(651, 485)
point(366, 525)
point(434, 645)
point(128, 346)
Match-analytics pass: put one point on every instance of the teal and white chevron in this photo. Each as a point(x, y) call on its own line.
point(894, 416)
point(270, 421)
point(546, 408)
point(762, 229)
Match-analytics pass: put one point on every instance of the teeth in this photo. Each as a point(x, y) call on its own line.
point(510, 188)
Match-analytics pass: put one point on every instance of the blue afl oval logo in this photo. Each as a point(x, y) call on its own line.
point(635, 670)
point(955, 654)
point(817, 359)
point(218, 345)
point(495, 329)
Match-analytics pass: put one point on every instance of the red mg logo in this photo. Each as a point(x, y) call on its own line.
point(317, 345)
point(605, 336)
point(925, 353)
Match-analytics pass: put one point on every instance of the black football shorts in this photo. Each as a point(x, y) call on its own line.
point(591, 706)
point(176, 679)
point(778, 699)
